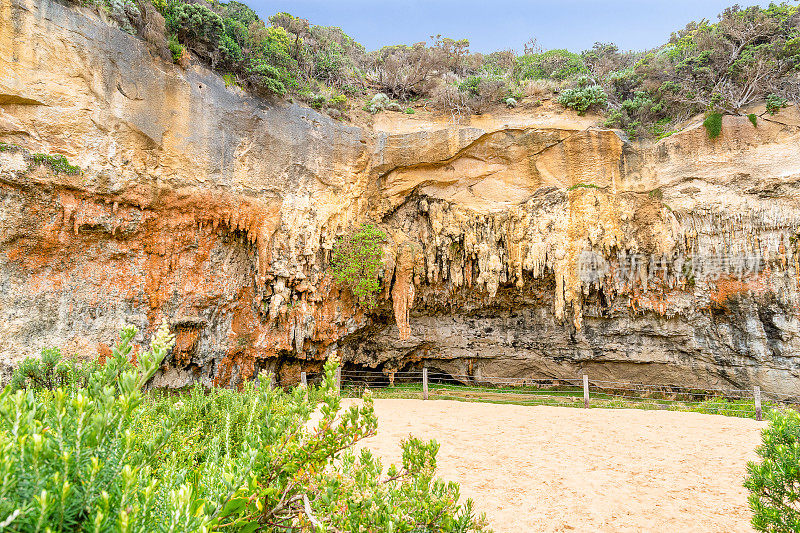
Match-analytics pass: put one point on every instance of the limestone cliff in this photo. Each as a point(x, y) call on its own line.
point(524, 243)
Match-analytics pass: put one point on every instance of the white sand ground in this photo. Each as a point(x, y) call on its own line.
point(566, 469)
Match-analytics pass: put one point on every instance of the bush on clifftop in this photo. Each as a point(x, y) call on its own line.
point(746, 56)
point(713, 125)
point(583, 97)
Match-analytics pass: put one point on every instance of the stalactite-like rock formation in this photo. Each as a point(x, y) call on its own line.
point(519, 244)
point(403, 289)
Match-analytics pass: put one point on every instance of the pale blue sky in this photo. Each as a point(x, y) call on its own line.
point(499, 24)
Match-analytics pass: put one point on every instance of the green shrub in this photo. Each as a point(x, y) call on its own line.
point(753, 119)
point(175, 48)
point(50, 371)
point(338, 101)
point(774, 103)
point(356, 260)
point(272, 68)
point(641, 102)
point(724, 65)
point(378, 103)
point(428, 504)
point(632, 129)
point(713, 125)
point(552, 64)
point(317, 101)
point(624, 81)
point(105, 457)
point(614, 119)
point(195, 24)
point(328, 61)
point(660, 130)
point(70, 463)
point(328, 99)
point(267, 78)
point(583, 98)
point(160, 5)
point(229, 79)
point(471, 85)
point(774, 483)
point(238, 12)
point(229, 49)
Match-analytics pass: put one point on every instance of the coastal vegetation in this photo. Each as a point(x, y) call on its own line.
point(84, 448)
point(749, 54)
point(356, 261)
point(774, 480)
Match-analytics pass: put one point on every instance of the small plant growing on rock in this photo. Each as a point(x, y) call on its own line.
point(753, 119)
point(317, 101)
point(774, 483)
point(582, 186)
point(338, 101)
point(660, 130)
point(356, 260)
point(57, 163)
point(713, 125)
point(774, 103)
point(229, 79)
point(175, 48)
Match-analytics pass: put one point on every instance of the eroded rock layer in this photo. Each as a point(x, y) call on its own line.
point(519, 245)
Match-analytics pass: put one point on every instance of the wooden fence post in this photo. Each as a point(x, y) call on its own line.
point(586, 391)
point(757, 396)
point(339, 380)
point(425, 383)
point(303, 379)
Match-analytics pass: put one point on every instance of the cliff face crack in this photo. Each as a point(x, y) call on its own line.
point(125, 94)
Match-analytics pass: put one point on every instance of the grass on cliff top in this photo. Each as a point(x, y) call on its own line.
point(562, 397)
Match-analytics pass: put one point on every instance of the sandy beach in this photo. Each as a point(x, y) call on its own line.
point(565, 469)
